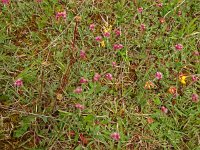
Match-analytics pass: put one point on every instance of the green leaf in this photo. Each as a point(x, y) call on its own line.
point(64, 112)
point(179, 112)
point(19, 132)
point(154, 126)
point(78, 147)
point(89, 118)
point(29, 75)
point(157, 101)
point(191, 26)
point(44, 119)
point(4, 98)
point(27, 119)
point(59, 54)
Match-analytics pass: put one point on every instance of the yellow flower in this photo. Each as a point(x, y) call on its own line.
point(102, 43)
point(59, 96)
point(149, 85)
point(182, 79)
point(107, 28)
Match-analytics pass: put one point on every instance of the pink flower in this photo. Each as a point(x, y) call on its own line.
point(117, 46)
point(83, 80)
point(140, 10)
point(92, 26)
point(159, 75)
point(142, 27)
point(194, 78)
point(18, 82)
point(78, 90)
point(79, 106)
point(115, 136)
point(179, 13)
point(160, 4)
point(195, 98)
point(96, 77)
point(196, 53)
point(82, 54)
point(164, 109)
point(107, 34)
point(179, 47)
point(114, 64)
point(120, 46)
point(117, 32)
point(98, 38)
point(108, 76)
point(5, 1)
point(61, 15)
point(162, 20)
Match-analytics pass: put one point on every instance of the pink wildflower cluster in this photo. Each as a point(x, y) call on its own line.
point(106, 34)
point(108, 76)
point(196, 53)
point(117, 32)
point(164, 109)
point(83, 80)
point(96, 77)
point(114, 64)
point(194, 78)
point(142, 27)
point(117, 46)
point(98, 38)
point(115, 136)
point(195, 98)
point(158, 75)
point(92, 26)
point(5, 1)
point(61, 15)
point(178, 47)
point(140, 9)
point(179, 13)
point(18, 82)
point(82, 54)
point(79, 106)
point(159, 4)
point(78, 90)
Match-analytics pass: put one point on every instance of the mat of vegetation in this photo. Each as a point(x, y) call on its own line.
point(99, 74)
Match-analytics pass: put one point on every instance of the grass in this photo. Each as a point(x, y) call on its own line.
point(44, 52)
